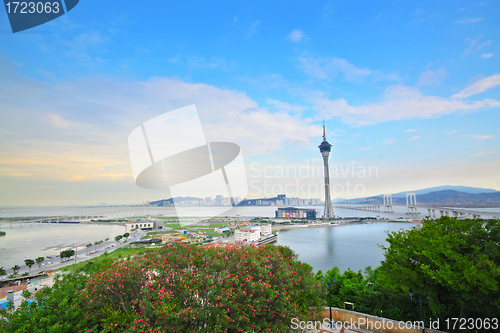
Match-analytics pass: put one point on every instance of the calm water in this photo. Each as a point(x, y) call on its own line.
point(130, 211)
point(41, 240)
point(352, 246)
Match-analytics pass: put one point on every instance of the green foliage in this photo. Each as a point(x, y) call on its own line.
point(29, 263)
point(39, 261)
point(211, 289)
point(66, 254)
point(2, 271)
point(181, 288)
point(15, 269)
point(455, 262)
point(367, 294)
point(58, 309)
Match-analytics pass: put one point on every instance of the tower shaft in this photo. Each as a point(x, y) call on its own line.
point(325, 149)
point(328, 201)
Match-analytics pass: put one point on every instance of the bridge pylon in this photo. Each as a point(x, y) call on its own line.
point(411, 203)
point(388, 203)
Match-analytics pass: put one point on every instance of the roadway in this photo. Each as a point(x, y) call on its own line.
point(54, 263)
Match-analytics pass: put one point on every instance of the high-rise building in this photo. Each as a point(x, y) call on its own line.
point(325, 149)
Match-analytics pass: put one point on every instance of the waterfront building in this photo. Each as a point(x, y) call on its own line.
point(252, 233)
point(249, 234)
point(143, 224)
point(325, 149)
point(296, 213)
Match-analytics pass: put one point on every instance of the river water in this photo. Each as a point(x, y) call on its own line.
point(42, 239)
point(352, 246)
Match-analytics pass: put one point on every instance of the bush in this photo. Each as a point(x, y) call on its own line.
point(211, 289)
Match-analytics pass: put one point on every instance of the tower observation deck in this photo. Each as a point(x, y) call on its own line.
point(325, 149)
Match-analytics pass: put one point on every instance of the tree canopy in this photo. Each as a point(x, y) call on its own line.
point(454, 262)
point(182, 288)
point(29, 263)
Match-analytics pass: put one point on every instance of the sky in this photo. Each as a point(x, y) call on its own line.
point(409, 92)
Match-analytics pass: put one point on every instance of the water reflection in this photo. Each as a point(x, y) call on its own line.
point(353, 246)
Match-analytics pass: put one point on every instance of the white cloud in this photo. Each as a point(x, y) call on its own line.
point(296, 35)
point(481, 137)
point(431, 77)
point(413, 138)
point(327, 68)
point(253, 28)
point(58, 121)
point(389, 141)
point(479, 87)
point(410, 130)
point(450, 132)
point(364, 149)
point(485, 153)
point(336, 132)
point(469, 20)
point(20, 174)
point(487, 55)
point(398, 102)
point(475, 45)
point(282, 106)
point(88, 121)
point(418, 16)
point(212, 63)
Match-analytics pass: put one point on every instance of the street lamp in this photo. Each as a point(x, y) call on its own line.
point(329, 283)
point(420, 301)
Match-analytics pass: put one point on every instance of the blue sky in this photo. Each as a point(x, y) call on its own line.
point(408, 88)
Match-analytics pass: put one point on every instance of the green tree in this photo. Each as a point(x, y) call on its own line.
point(60, 308)
point(39, 261)
point(117, 238)
point(15, 269)
point(454, 262)
point(66, 254)
point(2, 271)
point(209, 289)
point(29, 263)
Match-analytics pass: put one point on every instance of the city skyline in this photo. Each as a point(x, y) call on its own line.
point(410, 94)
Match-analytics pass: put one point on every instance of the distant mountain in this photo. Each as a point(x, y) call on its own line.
point(465, 189)
point(447, 198)
point(172, 200)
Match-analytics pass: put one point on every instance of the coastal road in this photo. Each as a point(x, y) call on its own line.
point(55, 263)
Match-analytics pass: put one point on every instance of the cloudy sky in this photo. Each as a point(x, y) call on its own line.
point(409, 90)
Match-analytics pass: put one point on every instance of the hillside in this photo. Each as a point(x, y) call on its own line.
point(447, 198)
point(177, 199)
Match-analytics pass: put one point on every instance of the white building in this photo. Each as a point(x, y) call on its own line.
point(143, 224)
point(252, 233)
point(266, 230)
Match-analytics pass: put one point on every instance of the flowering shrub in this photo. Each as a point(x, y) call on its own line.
point(202, 289)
